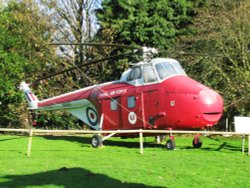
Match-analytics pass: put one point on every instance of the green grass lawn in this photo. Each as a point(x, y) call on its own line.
point(70, 161)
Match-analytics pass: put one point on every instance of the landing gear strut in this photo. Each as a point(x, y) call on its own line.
point(197, 143)
point(96, 141)
point(170, 145)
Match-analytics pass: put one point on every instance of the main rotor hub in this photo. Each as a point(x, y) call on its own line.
point(148, 53)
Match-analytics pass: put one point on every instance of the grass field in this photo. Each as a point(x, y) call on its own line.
point(70, 161)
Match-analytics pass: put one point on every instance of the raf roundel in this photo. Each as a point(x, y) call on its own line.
point(132, 118)
point(92, 116)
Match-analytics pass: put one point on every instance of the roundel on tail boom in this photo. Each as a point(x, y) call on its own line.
point(92, 116)
point(88, 114)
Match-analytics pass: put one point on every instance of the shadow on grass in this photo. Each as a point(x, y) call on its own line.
point(225, 145)
point(86, 141)
point(119, 143)
point(221, 145)
point(7, 139)
point(66, 177)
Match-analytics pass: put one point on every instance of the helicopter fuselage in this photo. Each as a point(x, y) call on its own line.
point(153, 95)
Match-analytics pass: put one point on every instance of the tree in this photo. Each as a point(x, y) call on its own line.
point(74, 22)
point(219, 52)
point(143, 22)
point(24, 55)
point(233, 42)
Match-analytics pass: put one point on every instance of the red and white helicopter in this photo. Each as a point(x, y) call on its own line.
point(152, 94)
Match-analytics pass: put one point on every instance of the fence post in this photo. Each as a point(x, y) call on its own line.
point(30, 142)
point(243, 144)
point(249, 144)
point(227, 125)
point(141, 141)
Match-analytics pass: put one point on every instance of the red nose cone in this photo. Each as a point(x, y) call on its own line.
point(211, 105)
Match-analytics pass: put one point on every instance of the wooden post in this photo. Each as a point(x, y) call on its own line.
point(249, 144)
point(141, 142)
point(30, 142)
point(243, 144)
point(226, 124)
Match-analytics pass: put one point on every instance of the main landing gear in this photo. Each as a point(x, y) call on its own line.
point(170, 145)
point(197, 143)
point(96, 141)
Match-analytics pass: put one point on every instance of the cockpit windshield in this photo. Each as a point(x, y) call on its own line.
point(166, 69)
point(151, 72)
point(178, 67)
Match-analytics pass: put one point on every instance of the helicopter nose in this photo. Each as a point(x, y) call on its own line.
point(211, 105)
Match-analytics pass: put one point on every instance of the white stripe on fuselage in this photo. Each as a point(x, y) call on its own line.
point(66, 105)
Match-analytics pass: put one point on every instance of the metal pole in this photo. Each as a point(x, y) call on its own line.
point(141, 142)
point(101, 121)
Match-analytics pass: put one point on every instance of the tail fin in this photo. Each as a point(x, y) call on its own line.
point(30, 97)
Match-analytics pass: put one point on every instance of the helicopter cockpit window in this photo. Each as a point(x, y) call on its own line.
point(134, 74)
point(165, 69)
point(178, 67)
point(149, 74)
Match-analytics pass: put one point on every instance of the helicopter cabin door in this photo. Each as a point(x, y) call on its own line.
point(112, 114)
point(132, 111)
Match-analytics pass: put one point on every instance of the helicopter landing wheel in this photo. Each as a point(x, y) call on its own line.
point(96, 141)
point(170, 145)
point(197, 143)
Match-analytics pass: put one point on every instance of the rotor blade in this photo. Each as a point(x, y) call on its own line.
point(97, 44)
point(213, 55)
point(83, 65)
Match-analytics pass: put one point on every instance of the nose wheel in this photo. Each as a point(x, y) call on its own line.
point(197, 143)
